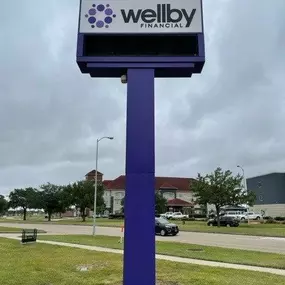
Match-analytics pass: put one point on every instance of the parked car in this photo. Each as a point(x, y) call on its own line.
point(164, 227)
point(178, 216)
point(253, 216)
point(224, 222)
point(167, 215)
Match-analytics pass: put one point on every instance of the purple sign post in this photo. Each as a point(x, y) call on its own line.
point(138, 41)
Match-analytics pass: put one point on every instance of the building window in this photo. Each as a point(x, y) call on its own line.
point(169, 195)
point(261, 198)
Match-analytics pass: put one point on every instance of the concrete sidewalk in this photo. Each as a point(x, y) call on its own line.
point(161, 257)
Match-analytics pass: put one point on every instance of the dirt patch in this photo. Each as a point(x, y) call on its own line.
point(158, 282)
point(195, 249)
point(88, 267)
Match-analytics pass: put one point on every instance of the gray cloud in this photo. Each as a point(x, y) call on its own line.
point(51, 115)
point(237, 118)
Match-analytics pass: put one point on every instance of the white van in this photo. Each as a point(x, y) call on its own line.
point(236, 214)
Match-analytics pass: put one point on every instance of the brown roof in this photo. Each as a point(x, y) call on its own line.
point(92, 173)
point(106, 183)
point(178, 202)
point(177, 183)
point(167, 186)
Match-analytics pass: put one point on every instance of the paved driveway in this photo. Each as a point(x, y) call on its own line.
point(265, 244)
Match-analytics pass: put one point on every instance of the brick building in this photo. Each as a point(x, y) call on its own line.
point(176, 190)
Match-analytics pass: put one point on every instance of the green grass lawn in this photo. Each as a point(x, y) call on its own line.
point(65, 221)
point(9, 230)
point(184, 250)
point(4, 230)
point(42, 264)
point(274, 230)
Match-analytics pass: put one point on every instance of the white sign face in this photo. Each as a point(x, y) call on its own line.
point(141, 16)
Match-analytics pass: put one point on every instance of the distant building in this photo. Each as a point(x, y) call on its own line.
point(176, 190)
point(270, 193)
point(91, 176)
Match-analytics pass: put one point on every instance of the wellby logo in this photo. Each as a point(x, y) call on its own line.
point(163, 17)
point(100, 16)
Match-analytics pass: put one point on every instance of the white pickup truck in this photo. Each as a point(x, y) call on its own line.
point(173, 215)
point(253, 216)
point(178, 215)
point(167, 215)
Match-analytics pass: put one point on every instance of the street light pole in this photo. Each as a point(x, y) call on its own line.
point(96, 182)
point(244, 180)
point(245, 187)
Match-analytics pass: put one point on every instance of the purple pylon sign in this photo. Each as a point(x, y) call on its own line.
point(139, 242)
point(139, 41)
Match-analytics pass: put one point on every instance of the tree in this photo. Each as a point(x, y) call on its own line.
point(160, 203)
point(54, 199)
point(24, 198)
point(100, 202)
point(3, 205)
point(123, 205)
point(221, 189)
point(82, 195)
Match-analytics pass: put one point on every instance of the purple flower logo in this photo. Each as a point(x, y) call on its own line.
point(100, 16)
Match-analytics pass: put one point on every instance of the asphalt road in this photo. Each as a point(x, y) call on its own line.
point(265, 244)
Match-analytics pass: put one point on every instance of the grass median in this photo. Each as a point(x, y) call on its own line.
point(7, 230)
point(36, 264)
point(4, 230)
point(210, 253)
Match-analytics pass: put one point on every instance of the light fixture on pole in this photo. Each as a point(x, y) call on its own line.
point(96, 181)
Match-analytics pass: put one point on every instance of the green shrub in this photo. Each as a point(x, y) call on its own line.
point(199, 216)
point(270, 221)
point(267, 218)
point(187, 219)
point(190, 219)
point(280, 218)
point(116, 216)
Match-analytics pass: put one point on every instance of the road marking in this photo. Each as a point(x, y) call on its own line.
point(248, 238)
point(274, 238)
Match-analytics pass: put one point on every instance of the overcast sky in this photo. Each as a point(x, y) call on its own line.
point(51, 114)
